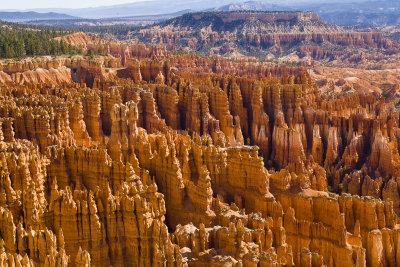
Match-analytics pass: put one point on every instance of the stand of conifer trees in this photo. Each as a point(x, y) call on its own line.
point(17, 41)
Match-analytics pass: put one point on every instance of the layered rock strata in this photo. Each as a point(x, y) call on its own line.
point(262, 34)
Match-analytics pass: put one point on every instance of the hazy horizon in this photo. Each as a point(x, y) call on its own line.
point(46, 5)
point(57, 4)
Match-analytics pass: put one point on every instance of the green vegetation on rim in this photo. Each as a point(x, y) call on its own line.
point(22, 40)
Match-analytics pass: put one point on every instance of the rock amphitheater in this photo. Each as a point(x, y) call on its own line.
point(145, 158)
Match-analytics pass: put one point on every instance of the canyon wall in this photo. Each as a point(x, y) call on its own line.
point(264, 35)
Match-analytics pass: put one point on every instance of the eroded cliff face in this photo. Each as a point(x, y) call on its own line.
point(116, 49)
point(267, 35)
point(189, 161)
point(384, 81)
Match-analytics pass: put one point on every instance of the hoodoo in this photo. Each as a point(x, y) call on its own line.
point(134, 154)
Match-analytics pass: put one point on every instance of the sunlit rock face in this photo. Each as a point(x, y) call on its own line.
point(144, 158)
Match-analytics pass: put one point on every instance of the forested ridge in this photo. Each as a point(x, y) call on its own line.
point(19, 40)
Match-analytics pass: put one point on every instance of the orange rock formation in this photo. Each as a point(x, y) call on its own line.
point(188, 161)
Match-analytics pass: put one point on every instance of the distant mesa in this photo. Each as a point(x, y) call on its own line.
point(273, 21)
point(261, 33)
